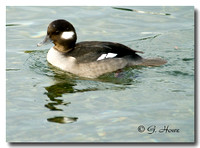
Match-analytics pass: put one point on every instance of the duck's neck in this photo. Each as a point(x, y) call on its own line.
point(63, 49)
point(65, 45)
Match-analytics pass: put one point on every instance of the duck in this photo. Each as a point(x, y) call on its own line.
point(89, 59)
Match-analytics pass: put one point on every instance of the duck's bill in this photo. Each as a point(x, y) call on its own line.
point(45, 41)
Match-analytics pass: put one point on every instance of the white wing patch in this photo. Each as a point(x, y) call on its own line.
point(105, 56)
point(111, 55)
point(67, 34)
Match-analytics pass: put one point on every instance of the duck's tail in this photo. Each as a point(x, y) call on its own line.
point(153, 62)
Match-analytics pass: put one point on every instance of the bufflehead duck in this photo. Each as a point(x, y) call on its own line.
point(90, 58)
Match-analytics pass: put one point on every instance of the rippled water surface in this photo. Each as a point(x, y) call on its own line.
point(45, 104)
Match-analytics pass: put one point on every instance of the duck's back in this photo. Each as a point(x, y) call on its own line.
point(91, 51)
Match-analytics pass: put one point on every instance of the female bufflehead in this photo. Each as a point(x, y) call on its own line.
point(90, 58)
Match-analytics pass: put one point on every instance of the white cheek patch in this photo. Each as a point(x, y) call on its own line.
point(67, 35)
point(109, 55)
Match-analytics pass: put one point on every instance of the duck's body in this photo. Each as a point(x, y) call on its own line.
point(91, 58)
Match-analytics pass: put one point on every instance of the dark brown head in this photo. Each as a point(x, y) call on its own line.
point(62, 34)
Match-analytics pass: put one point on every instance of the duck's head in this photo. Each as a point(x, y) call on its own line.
point(62, 34)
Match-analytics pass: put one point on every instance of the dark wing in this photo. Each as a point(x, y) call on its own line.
point(90, 51)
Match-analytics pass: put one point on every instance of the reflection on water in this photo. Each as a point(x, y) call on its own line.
point(9, 25)
point(139, 11)
point(150, 37)
point(62, 119)
point(57, 90)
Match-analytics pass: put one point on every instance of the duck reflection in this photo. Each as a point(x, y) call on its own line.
point(62, 120)
point(60, 87)
point(65, 84)
point(55, 91)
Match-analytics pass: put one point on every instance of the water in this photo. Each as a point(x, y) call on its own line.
point(45, 104)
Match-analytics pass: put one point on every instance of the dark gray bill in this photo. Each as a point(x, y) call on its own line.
point(45, 41)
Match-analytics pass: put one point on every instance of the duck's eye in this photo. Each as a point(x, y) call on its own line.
point(57, 32)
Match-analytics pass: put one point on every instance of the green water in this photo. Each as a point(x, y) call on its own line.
point(45, 104)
